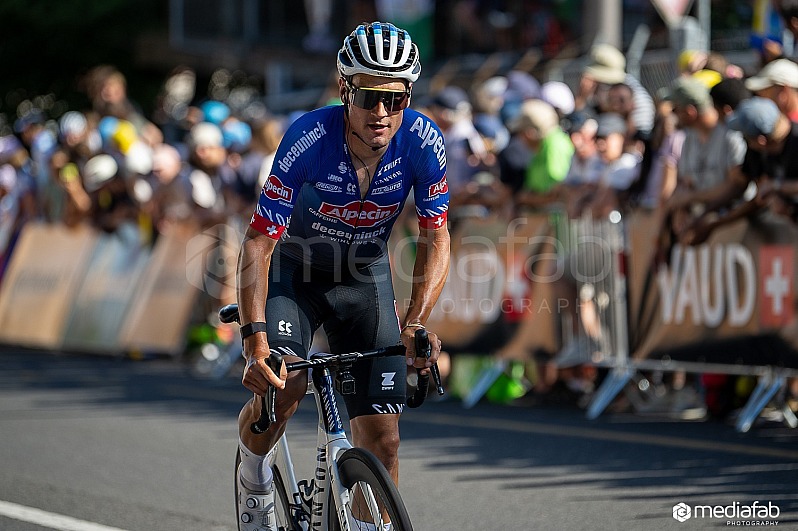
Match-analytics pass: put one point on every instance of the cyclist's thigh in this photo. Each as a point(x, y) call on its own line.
point(291, 318)
point(364, 318)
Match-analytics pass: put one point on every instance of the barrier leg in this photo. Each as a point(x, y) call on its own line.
point(789, 417)
point(486, 379)
point(765, 390)
point(613, 384)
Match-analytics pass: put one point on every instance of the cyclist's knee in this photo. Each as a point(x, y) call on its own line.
point(379, 434)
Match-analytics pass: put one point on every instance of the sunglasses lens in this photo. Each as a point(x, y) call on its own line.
point(368, 99)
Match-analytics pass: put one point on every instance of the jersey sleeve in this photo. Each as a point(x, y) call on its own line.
point(430, 190)
point(289, 169)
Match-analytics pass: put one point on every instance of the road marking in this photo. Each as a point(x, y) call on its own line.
point(599, 434)
point(51, 520)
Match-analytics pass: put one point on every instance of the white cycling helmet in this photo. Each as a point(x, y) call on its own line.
point(379, 49)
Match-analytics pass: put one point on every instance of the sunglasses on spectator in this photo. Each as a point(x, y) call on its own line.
point(368, 98)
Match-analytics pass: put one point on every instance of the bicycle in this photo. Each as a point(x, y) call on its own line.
point(348, 481)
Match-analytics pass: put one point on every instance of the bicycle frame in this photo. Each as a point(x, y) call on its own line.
point(311, 497)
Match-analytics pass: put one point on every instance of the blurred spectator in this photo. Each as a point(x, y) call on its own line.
point(709, 175)
point(488, 102)
point(727, 95)
point(107, 89)
point(778, 81)
point(257, 162)
point(318, 39)
point(113, 210)
point(173, 105)
point(466, 153)
point(788, 10)
point(620, 100)
point(586, 164)
point(772, 158)
point(172, 201)
point(664, 151)
point(558, 95)
point(41, 143)
point(539, 126)
point(608, 67)
point(621, 169)
point(211, 179)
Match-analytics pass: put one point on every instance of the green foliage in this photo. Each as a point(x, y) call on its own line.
point(47, 45)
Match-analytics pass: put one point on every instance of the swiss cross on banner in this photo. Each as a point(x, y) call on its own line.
point(776, 285)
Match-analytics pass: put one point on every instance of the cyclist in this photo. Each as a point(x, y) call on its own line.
point(341, 176)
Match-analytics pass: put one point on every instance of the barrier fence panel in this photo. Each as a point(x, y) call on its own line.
point(43, 277)
point(74, 289)
point(723, 307)
point(109, 284)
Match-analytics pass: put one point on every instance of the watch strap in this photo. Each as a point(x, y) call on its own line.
point(252, 328)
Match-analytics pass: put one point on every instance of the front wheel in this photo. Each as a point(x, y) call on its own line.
point(374, 500)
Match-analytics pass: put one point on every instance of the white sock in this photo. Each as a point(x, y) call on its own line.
point(368, 526)
point(256, 469)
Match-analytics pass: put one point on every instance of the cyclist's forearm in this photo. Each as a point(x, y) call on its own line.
point(429, 273)
point(252, 276)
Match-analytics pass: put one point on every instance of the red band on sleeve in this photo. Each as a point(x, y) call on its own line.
point(266, 227)
point(435, 222)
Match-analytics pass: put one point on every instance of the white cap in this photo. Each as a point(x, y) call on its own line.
point(205, 134)
point(558, 95)
point(779, 72)
point(97, 171)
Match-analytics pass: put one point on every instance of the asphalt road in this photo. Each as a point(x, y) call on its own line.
point(92, 443)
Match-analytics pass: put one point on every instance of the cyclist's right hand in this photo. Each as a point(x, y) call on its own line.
point(257, 374)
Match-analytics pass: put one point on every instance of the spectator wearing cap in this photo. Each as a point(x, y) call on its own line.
point(620, 169)
point(210, 177)
point(539, 126)
point(466, 152)
point(488, 101)
point(558, 95)
point(772, 158)
point(112, 206)
point(727, 95)
point(709, 170)
point(172, 204)
point(586, 165)
point(778, 81)
point(607, 67)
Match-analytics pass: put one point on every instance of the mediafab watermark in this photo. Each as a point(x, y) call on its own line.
point(736, 514)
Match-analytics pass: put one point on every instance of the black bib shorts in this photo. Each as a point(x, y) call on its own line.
point(357, 308)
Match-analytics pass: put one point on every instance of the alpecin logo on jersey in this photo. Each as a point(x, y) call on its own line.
point(369, 215)
point(441, 187)
point(274, 188)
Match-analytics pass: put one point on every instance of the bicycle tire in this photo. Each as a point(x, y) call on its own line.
point(282, 506)
point(358, 466)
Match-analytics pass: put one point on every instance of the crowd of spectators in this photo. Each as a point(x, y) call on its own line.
point(708, 149)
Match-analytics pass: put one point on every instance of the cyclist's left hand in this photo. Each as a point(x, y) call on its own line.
point(408, 340)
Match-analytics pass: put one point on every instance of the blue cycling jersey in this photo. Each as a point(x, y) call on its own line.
point(312, 198)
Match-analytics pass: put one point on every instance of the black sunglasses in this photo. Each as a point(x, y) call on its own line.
point(368, 98)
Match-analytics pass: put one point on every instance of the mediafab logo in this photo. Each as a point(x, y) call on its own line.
point(756, 514)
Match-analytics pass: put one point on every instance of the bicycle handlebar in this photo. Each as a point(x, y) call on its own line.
point(229, 314)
